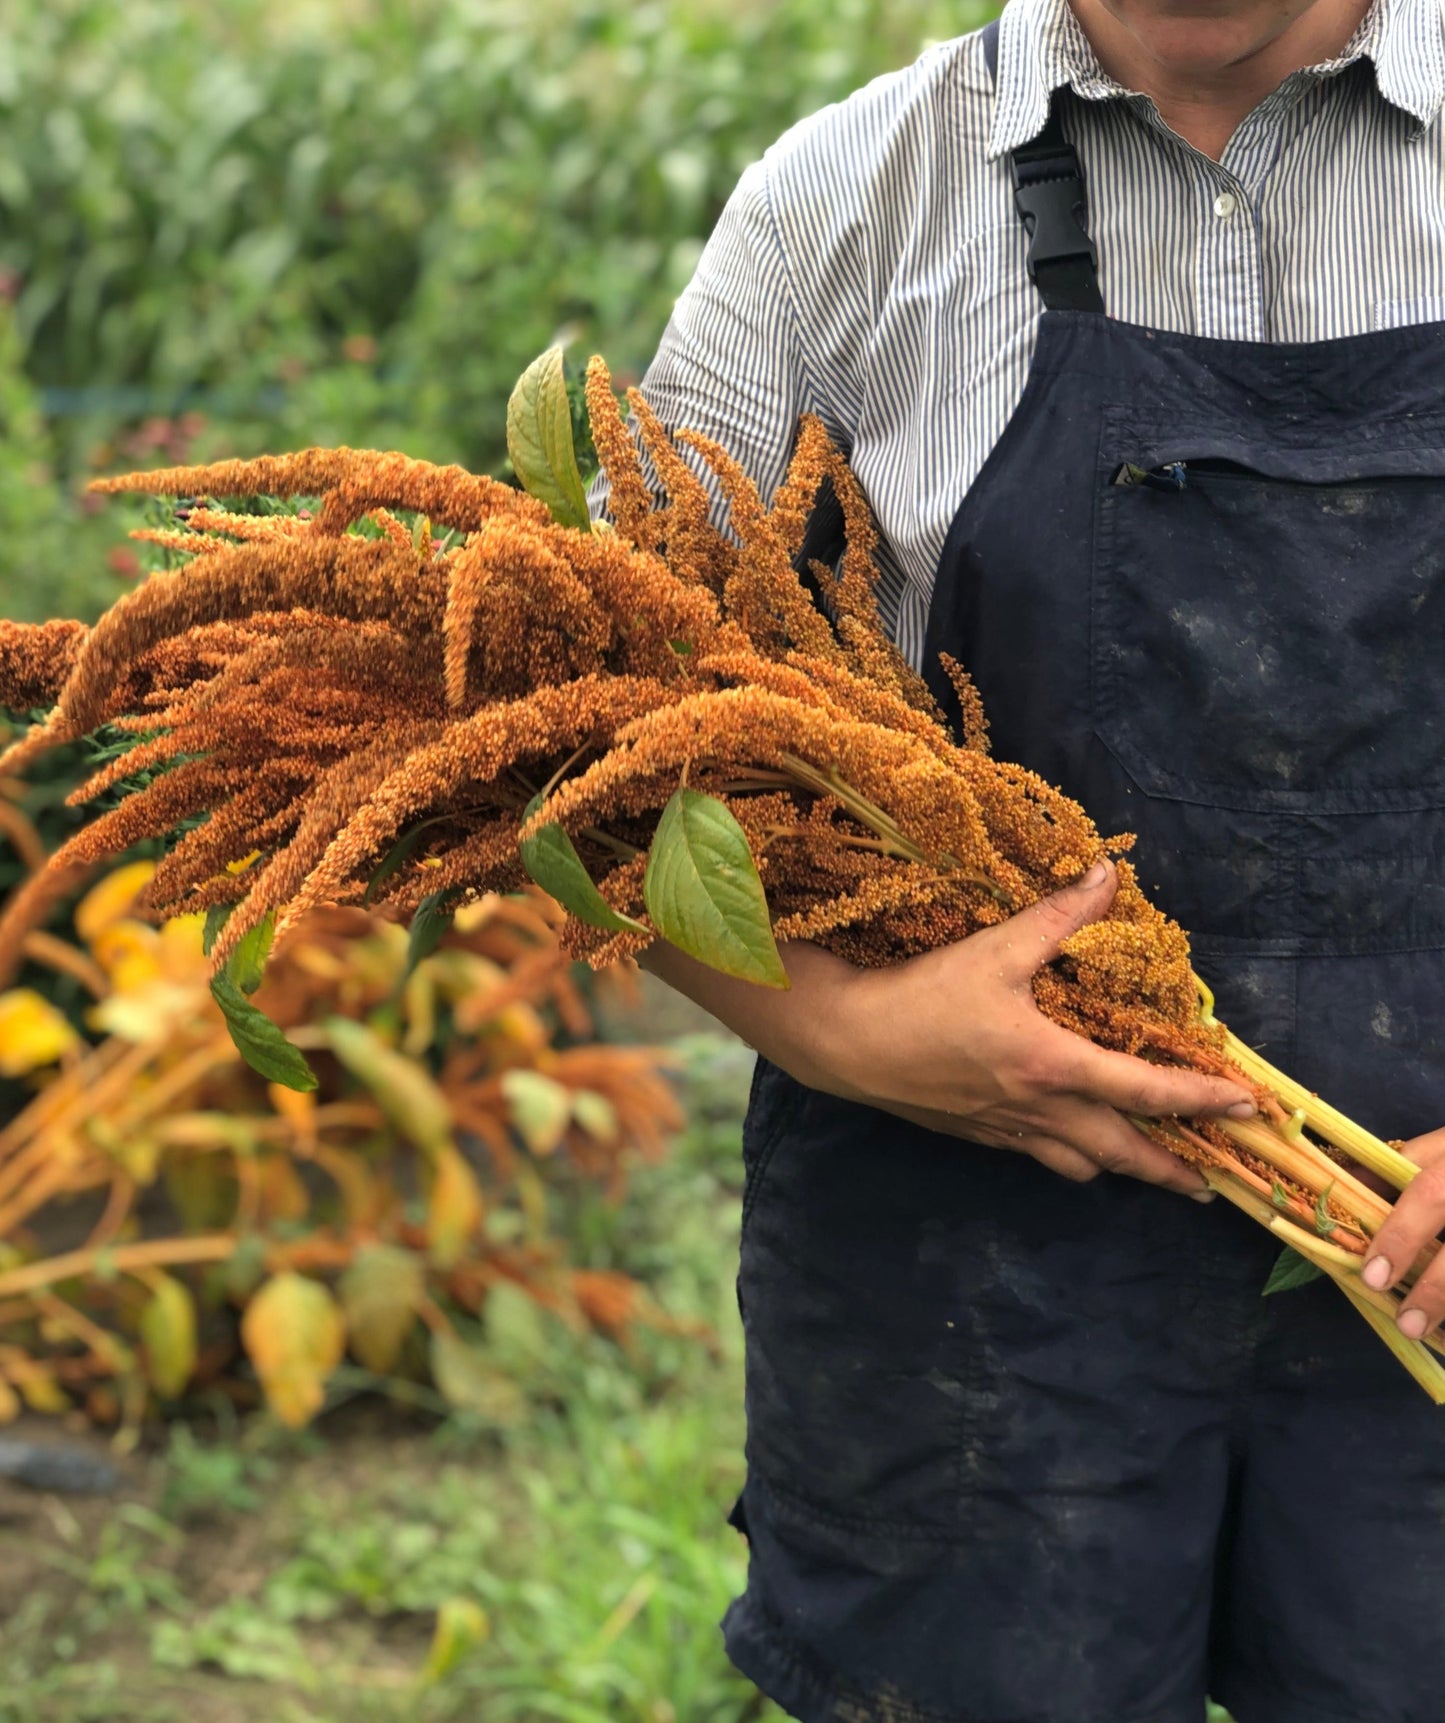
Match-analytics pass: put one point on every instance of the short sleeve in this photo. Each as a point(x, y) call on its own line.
point(730, 364)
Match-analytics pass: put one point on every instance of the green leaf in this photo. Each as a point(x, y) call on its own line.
point(553, 863)
point(259, 1041)
point(539, 440)
point(703, 892)
point(1278, 1195)
point(393, 859)
point(248, 961)
point(404, 1088)
point(1291, 1270)
point(469, 1380)
point(462, 1625)
point(380, 1292)
point(216, 918)
point(1324, 1224)
point(429, 923)
point(245, 1268)
point(168, 1328)
point(541, 1108)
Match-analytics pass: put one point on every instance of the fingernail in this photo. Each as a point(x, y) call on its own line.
point(1377, 1273)
point(1203, 1196)
point(1096, 874)
point(1413, 1324)
point(1243, 1110)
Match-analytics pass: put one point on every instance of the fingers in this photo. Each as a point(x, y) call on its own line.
point(1426, 1150)
point(1155, 1091)
point(1079, 1141)
point(1113, 1145)
point(1036, 935)
point(1071, 1163)
point(1418, 1216)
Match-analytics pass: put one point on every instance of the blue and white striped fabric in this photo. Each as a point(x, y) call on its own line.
point(871, 268)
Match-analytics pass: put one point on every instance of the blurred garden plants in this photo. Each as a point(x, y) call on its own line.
point(170, 1222)
point(250, 225)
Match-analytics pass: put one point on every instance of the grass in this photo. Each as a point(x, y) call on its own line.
point(249, 1575)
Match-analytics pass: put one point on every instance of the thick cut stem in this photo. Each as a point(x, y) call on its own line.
point(1326, 1121)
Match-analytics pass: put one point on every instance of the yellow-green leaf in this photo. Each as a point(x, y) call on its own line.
point(462, 1625)
point(43, 1393)
point(380, 1292)
point(168, 1328)
point(471, 1382)
point(596, 1115)
point(703, 892)
point(551, 859)
point(541, 1108)
point(404, 1089)
point(539, 440)
point(294, 1333)
point(454, 1208)
point(32, 1032)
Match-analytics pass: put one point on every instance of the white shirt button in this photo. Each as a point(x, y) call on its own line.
point(1225, 205)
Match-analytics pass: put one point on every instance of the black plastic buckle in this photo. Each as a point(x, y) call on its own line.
point(1053, 213)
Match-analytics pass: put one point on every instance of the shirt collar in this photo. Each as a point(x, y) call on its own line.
point(1043, 48)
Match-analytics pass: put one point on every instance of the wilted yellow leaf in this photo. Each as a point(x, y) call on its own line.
point(541, 1108)
point(284, 1195)
point(168, 1328)
point(462, 1625)
point(10, 1407)
point(140, 1154)
point(294, 1333)
point(43, 1393)
point(130, 954)
point(419, 1007)
point(403, 1087)
point(152, 1011)
point(521, 1027)
point(32, 1032)
point(111, 898)
point(298, 1108)
point(596, 1115)
point(379, 1293)
point(454, 1208)
point(181, 954)
point(471, 916)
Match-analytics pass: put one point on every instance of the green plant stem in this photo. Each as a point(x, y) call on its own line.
point(868, 814)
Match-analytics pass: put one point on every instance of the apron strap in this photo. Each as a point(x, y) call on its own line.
point(1049, 196)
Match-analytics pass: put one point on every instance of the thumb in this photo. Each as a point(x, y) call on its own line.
point(1036, 935)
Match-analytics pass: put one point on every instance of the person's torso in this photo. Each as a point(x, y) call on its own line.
point(894, 213)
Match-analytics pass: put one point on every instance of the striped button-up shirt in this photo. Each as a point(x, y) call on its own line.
point(871, 268)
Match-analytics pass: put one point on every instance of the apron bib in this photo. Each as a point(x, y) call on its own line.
point(1200, 585)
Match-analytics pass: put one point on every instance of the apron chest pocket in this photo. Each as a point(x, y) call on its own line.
point(1267, 628)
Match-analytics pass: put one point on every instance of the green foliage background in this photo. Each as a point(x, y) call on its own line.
point(356, 221)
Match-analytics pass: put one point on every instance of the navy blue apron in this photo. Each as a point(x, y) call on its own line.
point(1025, 1451)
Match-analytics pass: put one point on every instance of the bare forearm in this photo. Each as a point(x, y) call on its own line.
point(789, 1027)
point(953, 1040)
